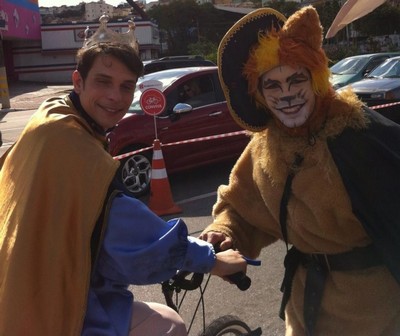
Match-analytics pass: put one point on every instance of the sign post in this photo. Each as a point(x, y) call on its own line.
point(153, 103)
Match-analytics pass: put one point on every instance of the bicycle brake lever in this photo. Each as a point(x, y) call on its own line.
point(253, 262)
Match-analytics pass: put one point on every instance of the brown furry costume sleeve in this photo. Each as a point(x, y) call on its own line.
point(240, 211)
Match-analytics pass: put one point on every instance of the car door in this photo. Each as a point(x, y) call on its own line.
point(203, 135)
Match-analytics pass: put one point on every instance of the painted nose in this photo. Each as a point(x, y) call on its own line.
point(288, 99)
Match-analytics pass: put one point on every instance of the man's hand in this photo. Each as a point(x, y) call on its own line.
point(217, 239)
point(229, 262)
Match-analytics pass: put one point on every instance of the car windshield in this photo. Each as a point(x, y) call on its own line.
point(388, 69)
point(347, 66)
point(158, 80)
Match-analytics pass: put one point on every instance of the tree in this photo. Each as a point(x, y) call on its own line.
point(384, 20)
point(287, 8)
point(178, 21)
point(187, 23)
point(327, 12)
point(205, 48)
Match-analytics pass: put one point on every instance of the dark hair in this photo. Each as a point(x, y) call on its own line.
point(123, 52)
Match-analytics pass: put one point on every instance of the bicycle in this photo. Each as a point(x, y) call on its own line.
point(222, 326)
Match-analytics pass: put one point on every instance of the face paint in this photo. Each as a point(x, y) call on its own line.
point(289, 95)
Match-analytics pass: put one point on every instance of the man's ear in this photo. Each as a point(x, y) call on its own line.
point(77, 81)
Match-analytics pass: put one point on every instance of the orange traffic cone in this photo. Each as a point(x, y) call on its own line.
point(160, 201)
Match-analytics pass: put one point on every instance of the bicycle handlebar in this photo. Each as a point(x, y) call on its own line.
point(241, 280)
point(181, 280)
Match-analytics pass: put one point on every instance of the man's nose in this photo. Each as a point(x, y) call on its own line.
point(114, 93)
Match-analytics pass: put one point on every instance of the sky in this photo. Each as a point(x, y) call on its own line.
point(57, 3)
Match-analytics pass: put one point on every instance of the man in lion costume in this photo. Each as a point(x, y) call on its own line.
point(320, 173)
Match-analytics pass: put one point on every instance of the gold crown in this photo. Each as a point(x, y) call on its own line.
point(106, 35)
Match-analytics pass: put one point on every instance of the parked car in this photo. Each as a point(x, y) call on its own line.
point(355, 68)
point(195, 108)
point(381, 87)
point(173, 62)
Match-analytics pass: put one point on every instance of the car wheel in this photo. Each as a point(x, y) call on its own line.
point(135, 173)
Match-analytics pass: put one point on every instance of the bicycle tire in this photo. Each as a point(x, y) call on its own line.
point(227, 325)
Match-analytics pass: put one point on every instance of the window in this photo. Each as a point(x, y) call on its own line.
point(197, 91)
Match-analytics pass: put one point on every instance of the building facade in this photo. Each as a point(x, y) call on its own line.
point(19, 20)
point(31, 51)
point(52, 59)
point(93, 10)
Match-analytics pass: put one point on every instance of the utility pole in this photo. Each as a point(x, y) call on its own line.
point(137, 8)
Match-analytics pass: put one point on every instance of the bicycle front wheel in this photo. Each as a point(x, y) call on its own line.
point(227, 325)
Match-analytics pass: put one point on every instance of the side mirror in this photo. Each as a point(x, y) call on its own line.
point(182, 108)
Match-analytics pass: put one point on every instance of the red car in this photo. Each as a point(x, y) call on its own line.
point(195, 108)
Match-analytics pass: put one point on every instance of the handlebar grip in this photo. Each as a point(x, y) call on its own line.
point(241, 280)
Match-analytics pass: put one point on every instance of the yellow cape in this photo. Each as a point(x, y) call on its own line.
point(53, 185)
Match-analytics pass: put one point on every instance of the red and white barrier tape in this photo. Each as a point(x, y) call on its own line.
point(211, 137)
point(384, 105)
point(125, 155)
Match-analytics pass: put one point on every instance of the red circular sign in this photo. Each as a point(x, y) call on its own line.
point(152, 101)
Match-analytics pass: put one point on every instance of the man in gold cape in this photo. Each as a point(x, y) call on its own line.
point(71, 240)
point(54, 179)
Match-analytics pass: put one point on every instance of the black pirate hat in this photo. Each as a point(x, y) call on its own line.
point(233, 53)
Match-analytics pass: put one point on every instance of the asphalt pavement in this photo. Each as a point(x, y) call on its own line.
point(25, 98)
point(29, 95)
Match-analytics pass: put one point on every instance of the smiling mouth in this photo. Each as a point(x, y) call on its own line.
point(110, 110)
point(290, 109)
